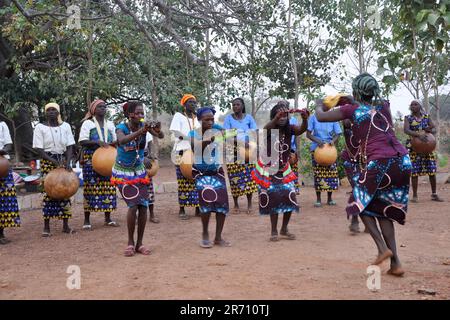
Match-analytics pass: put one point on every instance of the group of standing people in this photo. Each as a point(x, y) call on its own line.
point(378, 166)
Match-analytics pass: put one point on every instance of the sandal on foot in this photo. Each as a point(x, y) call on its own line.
point(385, 255)
point(87, 227)
point(206, 244)
point(143, 250)
point(184, 217)
point(354, 228)
point(331, 203)
point(288, 236)
point(129, 251)
point(4, 241)
point(317, 204)
point(69, 231)
point(154, 220)
point(111, 224)
point(414, 200)
point(435, 197)
point(398, 272)
point(222, 243)
point(274, 238)
point(46, 234)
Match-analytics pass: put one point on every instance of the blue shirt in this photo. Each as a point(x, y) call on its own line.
point(127, 154)
point(293, 121)
point(325, 131)
point(210, 160)
point(243, 126)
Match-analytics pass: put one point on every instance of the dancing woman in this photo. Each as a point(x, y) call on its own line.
point(382, 183)
point(276, 180)
point(129, 173)
point(209, 176)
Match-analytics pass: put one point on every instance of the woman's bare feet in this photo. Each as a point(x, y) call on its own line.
point(383, 256)
point(396, 271)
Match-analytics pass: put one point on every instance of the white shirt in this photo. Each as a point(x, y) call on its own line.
point(88, 125)
point(182, 125)
point(5, 137)
point(53, 139)
point(148, 138)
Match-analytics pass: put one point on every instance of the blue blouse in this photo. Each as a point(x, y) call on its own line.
point(325, 131)
point(132, 153)
point(210, 161)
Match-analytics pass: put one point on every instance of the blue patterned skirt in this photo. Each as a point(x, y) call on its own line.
point(59, 209)
point(278, 198)
point(187, 192)
point(382, 190)
point(99, 194)
point(351, 171)
point(212, 191)
point(9, 209)
point(326, 178)
point(132, 183)
point(241, 181)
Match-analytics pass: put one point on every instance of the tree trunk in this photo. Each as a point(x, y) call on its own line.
point(207, 82)
point(253, 100)
point(426, 101)
point(291, 50)
point(437, 104)
point(22, 134)
point(90, 69)
point(361, 38)
point(154, 93)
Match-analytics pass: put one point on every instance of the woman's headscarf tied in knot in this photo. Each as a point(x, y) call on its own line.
point(92, 107)
point(186, 97)
point(366, 85)
point(203, 110)
point(56, 106)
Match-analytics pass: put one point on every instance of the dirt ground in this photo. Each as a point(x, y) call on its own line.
point(325, 262)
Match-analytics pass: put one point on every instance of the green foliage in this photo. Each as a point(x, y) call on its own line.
point(442, 160)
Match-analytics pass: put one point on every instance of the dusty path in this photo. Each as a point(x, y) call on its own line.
point(325, 262)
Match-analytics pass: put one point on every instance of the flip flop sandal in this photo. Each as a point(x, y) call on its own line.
point(4, 241)
point(274, 238)
point(87, 227)
point(288, 236)
point(184, 217)
point(154, 220)
point(111, 224)
point(206, 244)
point(222, 243)
point(414, 200)
point(317, 204)
point(143, 250)
point(436, 198)
point(46, 234)
point(331, 203)
point(129, 251)
point(70, 231)
point(354, 228)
